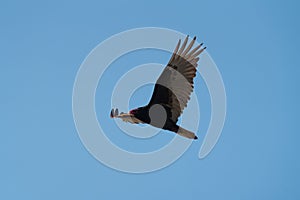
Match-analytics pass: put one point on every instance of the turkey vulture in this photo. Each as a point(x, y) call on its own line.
point(171, 92)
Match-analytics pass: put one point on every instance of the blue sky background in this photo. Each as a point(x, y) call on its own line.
point(255, 45)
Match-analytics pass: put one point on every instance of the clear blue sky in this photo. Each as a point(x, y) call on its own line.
point(255, 45)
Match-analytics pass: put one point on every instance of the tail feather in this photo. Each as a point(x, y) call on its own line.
point(185, 133)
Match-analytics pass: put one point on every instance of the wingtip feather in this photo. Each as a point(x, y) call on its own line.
point(112, 113)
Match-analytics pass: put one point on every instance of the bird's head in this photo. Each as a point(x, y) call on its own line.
point(140, 113)
point(134, 111)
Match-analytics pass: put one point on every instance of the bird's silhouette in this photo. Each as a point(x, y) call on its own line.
point(171, 92)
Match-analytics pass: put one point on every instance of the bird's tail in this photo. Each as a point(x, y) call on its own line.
point(185, 133)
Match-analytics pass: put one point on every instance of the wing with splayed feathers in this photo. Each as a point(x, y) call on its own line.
point(175, 85)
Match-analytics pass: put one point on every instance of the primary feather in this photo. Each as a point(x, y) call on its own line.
point(171, 92)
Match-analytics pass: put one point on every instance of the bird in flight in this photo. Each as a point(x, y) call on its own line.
point(171, 93)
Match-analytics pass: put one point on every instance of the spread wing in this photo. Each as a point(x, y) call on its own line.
point(175, 85)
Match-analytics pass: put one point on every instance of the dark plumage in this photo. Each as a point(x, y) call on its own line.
point(171, 92)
